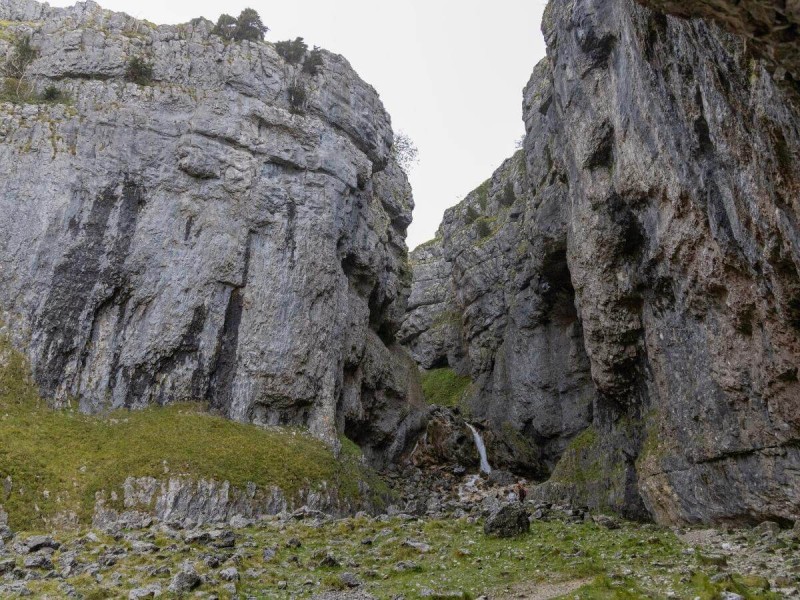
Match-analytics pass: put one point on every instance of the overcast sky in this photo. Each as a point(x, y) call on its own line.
point(450, 73)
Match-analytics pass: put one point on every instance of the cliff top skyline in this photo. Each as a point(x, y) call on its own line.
point(436, 69)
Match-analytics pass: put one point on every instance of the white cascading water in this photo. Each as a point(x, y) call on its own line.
point(481, 450)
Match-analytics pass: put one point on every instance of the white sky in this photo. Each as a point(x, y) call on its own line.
point(450, 73)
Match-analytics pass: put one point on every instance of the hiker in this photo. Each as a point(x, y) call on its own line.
point(521, 492)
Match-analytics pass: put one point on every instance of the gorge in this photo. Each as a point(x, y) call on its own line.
point(615, 312)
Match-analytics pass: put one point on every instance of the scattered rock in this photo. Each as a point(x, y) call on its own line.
point(229, 574)
point(509, 521)
point(420, 547)
point(350, 580)
point(329, 561)
point(767, 528)
point(139, 547)
point(405, 566)
point(7, 565)
point(269, 554)
point(35, 543)
point(606, 521)
point(185, 580)
point(149, 591)
point(38, 561)
point(502, 478)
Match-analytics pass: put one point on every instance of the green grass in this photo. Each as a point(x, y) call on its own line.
point(59, 460)
point(631, 562)
point(444, 387)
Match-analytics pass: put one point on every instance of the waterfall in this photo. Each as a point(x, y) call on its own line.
point(481, 450)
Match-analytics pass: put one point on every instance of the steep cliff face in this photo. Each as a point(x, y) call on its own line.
point(208, 236)
point(642, 288)
point(769, 26)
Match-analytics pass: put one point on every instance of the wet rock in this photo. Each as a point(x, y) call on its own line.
point(509, 521)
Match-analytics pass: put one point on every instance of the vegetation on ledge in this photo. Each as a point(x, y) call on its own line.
point(444, 387)
point(58, 460)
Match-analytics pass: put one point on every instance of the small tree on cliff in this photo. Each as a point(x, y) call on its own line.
point(250, 27)
point(292, 51)
point(404, 151)
point(247, 27)
point(225, 27)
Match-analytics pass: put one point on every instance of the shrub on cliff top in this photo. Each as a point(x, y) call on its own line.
point(225, 27)
point(313, 62)
point(292, 51)
point(247, 27)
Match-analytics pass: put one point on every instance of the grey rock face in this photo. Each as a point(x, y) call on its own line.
point(202, 238)
point(642, 288)
point(770, 26)
point(201, 502)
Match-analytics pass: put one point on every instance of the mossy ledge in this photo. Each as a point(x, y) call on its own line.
point(54, 464)
point(444, 387)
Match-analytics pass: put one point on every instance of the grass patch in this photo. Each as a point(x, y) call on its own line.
point(444, 387)
point(59, 460)
point(631, 562)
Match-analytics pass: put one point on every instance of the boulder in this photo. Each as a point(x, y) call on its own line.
point(509, 521)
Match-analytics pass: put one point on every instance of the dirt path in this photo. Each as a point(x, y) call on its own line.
point(542, 591)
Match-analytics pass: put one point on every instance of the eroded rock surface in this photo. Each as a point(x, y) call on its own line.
point(203, 237)
point(631, 309)
point(770, 26)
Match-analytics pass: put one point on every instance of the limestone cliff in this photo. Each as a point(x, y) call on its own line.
point(213, 235)
point(624, 293)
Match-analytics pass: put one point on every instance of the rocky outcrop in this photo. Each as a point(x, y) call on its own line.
point(769, 26)
point(632, 307)
point(214, 235)
point(193, 503)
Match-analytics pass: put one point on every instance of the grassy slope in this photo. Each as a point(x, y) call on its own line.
point(58, 460)
point(443, 387)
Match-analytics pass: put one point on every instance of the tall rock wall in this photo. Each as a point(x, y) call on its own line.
point(203, 237)
point(634, 311)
